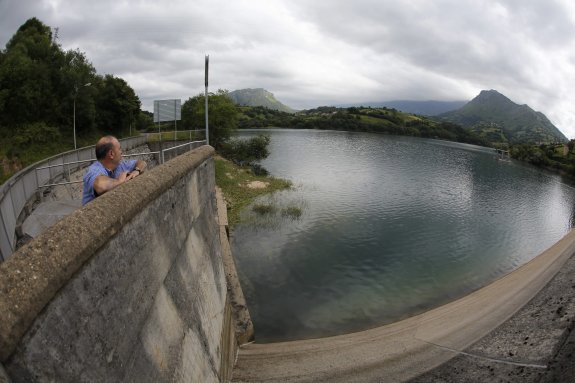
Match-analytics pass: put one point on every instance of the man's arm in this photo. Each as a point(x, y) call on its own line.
point(103, 184)
point(141, 165)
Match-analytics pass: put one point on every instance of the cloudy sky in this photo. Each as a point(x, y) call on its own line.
point(317, 52)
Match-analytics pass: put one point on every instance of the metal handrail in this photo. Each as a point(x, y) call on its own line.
point(80, 162)
point(19, 189)
point(179, 146)
point(93, 159)
point(160, 153)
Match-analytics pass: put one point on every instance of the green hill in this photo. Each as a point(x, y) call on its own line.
point(498, 119)
point(258, 97)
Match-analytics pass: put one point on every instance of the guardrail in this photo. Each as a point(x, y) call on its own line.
point(20, 188)
point(161, 155)
point(69, 171)
point(178, 148)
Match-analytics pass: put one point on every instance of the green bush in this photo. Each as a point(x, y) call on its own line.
point(36, 133)
point(246, 151)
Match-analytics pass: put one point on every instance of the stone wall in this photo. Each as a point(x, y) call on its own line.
point(130, 288)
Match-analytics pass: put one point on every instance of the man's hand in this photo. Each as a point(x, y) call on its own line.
point(123, 177)
point(131, 175)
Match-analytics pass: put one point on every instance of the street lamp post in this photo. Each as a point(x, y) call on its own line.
point(76, 89)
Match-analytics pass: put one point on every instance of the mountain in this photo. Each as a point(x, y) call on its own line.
point(258, 97)
point(424, 108)
point(499, 119)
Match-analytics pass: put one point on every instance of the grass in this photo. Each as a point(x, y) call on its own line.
point(14, 158)
point(292, 212)
point(264, 209)
point(234, 181)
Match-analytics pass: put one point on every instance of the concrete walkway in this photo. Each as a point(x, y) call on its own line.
point(47, 214)
point(420, 346)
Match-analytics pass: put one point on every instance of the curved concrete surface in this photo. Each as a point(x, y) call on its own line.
point(404, 350)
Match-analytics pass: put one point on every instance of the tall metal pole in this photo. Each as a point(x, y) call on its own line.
point(175, 123)
point(207, 128)
point(75, 117)
point(76, 89)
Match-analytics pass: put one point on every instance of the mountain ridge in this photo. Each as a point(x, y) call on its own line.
point(492, 115)
point(258, 97)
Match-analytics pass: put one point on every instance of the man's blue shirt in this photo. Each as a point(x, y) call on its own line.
point(97, 169)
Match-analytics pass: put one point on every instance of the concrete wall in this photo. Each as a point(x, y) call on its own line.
point(130, 288)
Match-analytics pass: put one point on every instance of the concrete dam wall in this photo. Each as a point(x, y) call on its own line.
point(137, 286)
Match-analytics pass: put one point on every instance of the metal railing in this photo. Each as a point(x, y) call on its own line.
point(27, 184)
point(160, 153)
point(191, 144)
point(83, 162)
point(24, 185)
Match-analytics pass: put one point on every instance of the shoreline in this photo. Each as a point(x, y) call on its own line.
point(240, 187)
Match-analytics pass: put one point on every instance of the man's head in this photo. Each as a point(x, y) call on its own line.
point(109, 152)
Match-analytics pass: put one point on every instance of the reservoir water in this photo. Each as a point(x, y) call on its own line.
point(389, 227)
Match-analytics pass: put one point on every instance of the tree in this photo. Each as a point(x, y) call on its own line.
point(25, 80)
point(222, 116)
point(570, 146)
point(41, 83)
point(38, 80)
point(75, 72)
point(145, 121)
point(117, 104)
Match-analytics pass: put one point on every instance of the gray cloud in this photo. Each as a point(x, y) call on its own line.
point(325, 52)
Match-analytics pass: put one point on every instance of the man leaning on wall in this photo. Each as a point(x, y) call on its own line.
point(109, 171)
